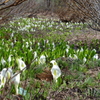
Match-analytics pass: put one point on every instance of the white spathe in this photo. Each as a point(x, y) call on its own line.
point(0, 80)
point(16, 80)
point(95, 56)
point(21, 64)
point(9, 59)
point(6, 74)
point(84, 60)
point(3, 62)
point(42, 59)
point(35, 56)
point(55, 70)
point(3, 81)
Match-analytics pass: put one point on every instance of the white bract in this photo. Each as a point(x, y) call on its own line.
point(84, 60)
point(3, 62)
point(75, 56)
point(12, 44)
point(81, 50)
point(0, 80)
point(6, 74)
point(27, 44)
point(95, 56)
point(53, 44)
point(21, 64)
point(9, 59)
point(3, 81)
point(12, 35)
point(42, 59)
point(16, 80)
point(35, 54)
point(67, 50)
point(94, 50)
point(55, 70)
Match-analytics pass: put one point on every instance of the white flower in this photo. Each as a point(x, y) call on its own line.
point(84, 60)
point(21, 64)
point(3, 81)
point(6, 74)
point(10, 72)
point(38, 44)
point(15, 40)
point(67, 50)
point(47, 41)
point(95, 56)
point(55, 70)
point(9, 59)
point(3, 62)
point(78, 51)
point(94, 50)
point(35, 55)
point(0, 80)
point(31, 49)
point(12, 35)
point(70, 56)
point(12, 44)
point(68, 47)
point(42, 59)
point(75, 57)
point(27, 44)
point(53, 44)
point(81, 50)
point(16, 80)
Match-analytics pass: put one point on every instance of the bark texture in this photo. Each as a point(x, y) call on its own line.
point(66, 10)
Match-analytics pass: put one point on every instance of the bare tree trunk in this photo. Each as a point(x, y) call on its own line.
point(81, 11)
point(67, 10)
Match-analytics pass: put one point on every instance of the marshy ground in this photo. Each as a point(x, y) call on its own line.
point(79, 81)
